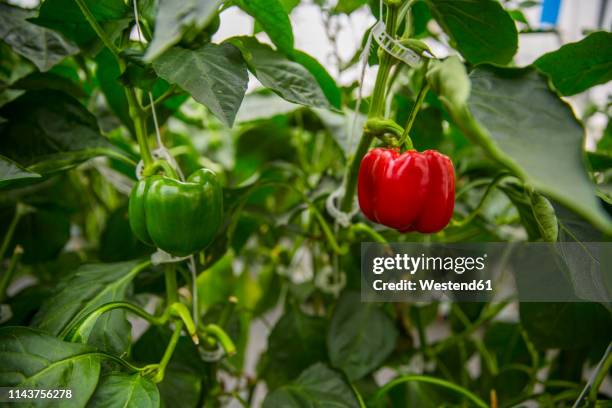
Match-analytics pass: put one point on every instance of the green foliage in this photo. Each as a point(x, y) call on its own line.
point(470, 25)
point(579, 66)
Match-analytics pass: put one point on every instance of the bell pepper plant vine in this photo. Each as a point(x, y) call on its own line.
point(103, 232)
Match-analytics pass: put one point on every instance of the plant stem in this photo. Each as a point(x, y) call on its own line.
point(8, 276)
point(140, 127)
point(136, 113)
point(97, 28)
point(494, 183)
point(176, 334)
point(431, 380)
point(415, 108)
point(171, 286)
point(19, 211)
point(222, 337)
point(592, 388)
point(376, 109)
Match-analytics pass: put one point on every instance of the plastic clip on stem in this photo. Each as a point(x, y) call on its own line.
point(376, 108)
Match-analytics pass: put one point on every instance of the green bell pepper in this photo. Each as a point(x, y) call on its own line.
point(178, 217)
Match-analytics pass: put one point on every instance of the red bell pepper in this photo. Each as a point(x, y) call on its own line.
point(410, 191)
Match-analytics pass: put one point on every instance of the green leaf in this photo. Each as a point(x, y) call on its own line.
point(215, 75)
point(318, 386)
point(49, 131)
point(11, 171)
point(261, 106)
point(174, 18)
point(449, 79)
point(288, 79)
point(326, 82)
point(544, 214)
point(125, 390)
point(342, 127)
point(66, 17)
point(348, 6)
point(86, 289)
point(576, 67)
point(273, 18)
point(360, 337)
point(107, 72)
point(295, 342)
point(481, 29)
point(43, 47)
point(32, 359)
point(567, 326)
point(535, 134)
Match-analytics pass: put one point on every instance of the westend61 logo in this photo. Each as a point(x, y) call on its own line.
point(413, 264)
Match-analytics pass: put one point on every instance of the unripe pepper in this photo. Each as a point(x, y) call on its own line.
point(177, 217)
point(410, 191)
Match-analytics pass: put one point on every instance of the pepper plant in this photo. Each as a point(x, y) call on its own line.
point(170, 240)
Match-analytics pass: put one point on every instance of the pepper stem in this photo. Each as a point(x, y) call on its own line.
point(376, 110)
point(405, 140)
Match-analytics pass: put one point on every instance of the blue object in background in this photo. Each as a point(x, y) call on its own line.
point(550, 12)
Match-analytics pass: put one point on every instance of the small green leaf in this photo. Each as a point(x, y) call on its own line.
point(31, 359)
point(273, 18)
point(66, 17)
point(49, 131)
point(11, 171)
point(544, 214)
point(481, 29)
point(318, 386)
point(83, 291)
point(42, 46)
point(360, 337)
point(576, 67)
point(288, 79)
point(125, 390)
point(348, 6)
point(215, 75)
point(174, 18)
point(450, 81)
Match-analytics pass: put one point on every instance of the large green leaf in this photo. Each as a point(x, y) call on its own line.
point(360, 337)
point(42, 46)
point(536, 134)
point(318, 386)
point(125, 390)
point(287, 78)
point(32, 359)
point(273, 18)
point(66, 17)
point(86, 289)
point(11, 172)
point(326, 82)
point(481, 29)
point(296, 342)
point(566, 325)
point(215, 75)
point(49, 131)
point(262, 106)
point(578, 66)
point(174, 17)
